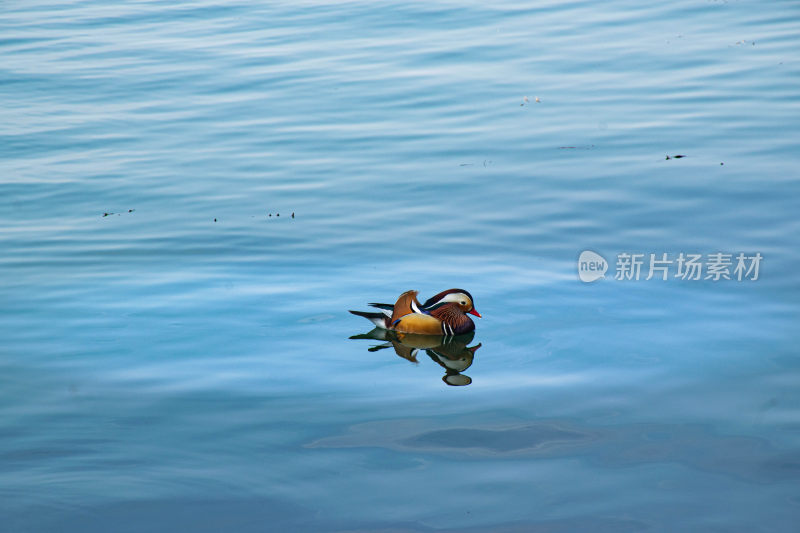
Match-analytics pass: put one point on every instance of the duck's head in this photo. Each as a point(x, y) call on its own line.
point(461, 298)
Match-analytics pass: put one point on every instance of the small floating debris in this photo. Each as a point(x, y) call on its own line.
point(215, 220)
point(292, 214)
point(109, 213)
point(584, 147)
point(538, 101)
point(678, 156)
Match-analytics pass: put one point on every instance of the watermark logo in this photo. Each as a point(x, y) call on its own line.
point(591, 266)
point(718, 266)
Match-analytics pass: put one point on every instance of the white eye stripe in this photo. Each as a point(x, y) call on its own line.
point(454, 297)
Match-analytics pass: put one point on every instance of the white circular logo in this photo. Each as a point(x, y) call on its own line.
point(591, 266)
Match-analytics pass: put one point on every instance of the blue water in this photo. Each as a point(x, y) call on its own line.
point(175, 355)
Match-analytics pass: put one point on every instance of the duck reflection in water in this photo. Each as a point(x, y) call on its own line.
point(451, 353)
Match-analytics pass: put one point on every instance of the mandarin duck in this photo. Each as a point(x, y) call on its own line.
point(443, 314)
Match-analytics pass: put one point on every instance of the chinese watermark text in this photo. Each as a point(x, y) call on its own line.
point(630, 266)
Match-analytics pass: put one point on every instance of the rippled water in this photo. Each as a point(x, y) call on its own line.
point(176, 356)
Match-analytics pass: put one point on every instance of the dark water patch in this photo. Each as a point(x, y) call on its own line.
point(695, 446)
point(528, 439)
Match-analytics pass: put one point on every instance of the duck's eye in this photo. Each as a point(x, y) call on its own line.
point(463, 302)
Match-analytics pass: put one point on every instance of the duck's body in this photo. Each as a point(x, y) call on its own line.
point(443, 314)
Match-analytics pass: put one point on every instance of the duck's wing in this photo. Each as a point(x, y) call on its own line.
point(406, 304)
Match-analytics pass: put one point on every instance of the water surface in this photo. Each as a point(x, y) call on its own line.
point(175, 346)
